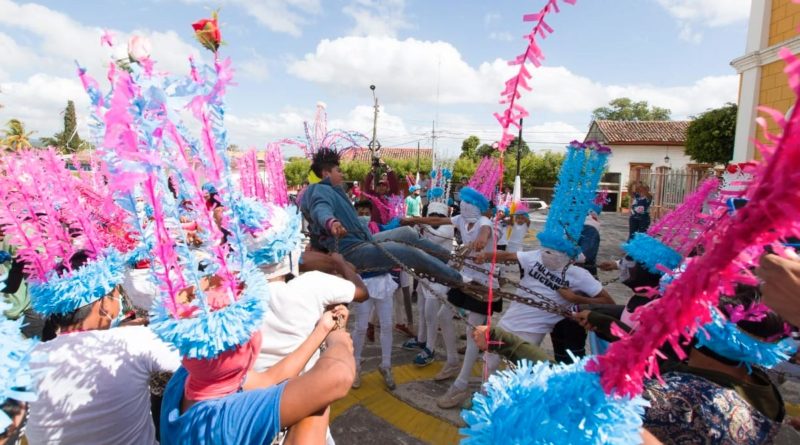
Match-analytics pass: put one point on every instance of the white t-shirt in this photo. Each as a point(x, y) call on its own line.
point(518, 232)
point(96, 387)
point(523, 318)
point(469, 235)
point(443, 236)
point(294, 309)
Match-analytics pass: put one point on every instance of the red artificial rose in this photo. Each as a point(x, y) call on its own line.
point(208, 33)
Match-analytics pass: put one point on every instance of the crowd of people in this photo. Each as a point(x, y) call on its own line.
point(162, 297)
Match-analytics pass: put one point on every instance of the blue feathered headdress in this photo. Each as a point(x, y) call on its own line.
point(472, 196)
point(651, 252)
point(17, 381)
point(574, 195)
point(207, 333)
point(726, 339)
point(548, 404)
point(283, 236)
point(77, 288)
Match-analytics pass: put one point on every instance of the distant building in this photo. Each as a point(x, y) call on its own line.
point(773, 25)
point(640, 148)
point(395, 153)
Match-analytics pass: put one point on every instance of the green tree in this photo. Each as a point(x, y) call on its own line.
point(469, 146)
point(463, 167)
point(16, 137)
point(296, 170)
point(517, 145)
point(624, 109)
point(354, 170)
point(67, 140)
point(710, 136)
point(485, 150)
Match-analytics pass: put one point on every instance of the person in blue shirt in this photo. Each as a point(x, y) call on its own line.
point(640, 210)
point(222, 401)
point(335, 227)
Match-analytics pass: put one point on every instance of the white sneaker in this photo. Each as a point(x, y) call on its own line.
point(388, 377)
point(453, 398)
point(357, 381)
point(449, 371)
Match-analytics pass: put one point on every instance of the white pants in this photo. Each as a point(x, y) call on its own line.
point(362, 311)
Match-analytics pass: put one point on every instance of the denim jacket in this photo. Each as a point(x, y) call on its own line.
point(320, 203)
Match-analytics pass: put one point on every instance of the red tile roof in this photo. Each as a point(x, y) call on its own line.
point(642, 132)
point(397, 153)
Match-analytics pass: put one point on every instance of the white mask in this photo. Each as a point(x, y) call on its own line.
point(364, 218)
point(554, 261)
point(469, 212)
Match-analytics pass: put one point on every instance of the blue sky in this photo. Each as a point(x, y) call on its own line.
point(429, 60)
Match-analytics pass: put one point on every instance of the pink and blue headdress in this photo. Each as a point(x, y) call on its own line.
point(575, 192)
point(675, 235)
point(46, 216)
point(17, 380)
point(271, 225)
point(147, 146)
point(483, 184)
point(439, 190)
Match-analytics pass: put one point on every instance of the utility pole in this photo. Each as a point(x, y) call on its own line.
point(374, 145)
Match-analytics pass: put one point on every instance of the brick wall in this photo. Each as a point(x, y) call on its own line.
point(784, 21)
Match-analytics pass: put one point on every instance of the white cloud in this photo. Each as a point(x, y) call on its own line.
point(502, 36)
point(287, 16)
point(406, 71)
point(40, 76)
point(380, 18)
point(255, 67)
point(709, 12)
point(39, 100)
point(691, 14)
point(491, 18)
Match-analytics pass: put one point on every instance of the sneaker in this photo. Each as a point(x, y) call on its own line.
point(371, 332)
point(453, 398)
point(404, 330)
point(424, 358)
point(449, 371)
point(388, 378)
point(357, 381)
point(413, 344)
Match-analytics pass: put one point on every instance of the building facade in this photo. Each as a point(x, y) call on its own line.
point(773, 25)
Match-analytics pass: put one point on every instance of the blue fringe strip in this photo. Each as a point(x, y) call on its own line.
point(551, 404)
point(651, 252)
point(208, 334)
point(17, 381)
point(280, 243)
point(64, 294)
point(574, 195)
point(474, 197)
point(726, 339)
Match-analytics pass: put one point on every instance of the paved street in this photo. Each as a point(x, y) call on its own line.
point(409, 415)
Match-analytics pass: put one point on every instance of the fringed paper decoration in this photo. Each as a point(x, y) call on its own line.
point(514, 86)
point(17, 380)
point(148, 149)
point(725, 338)
point(45, 216)
point(730, 248)
point(678, 233)
point(574, 195)
point(548, 404)
point(278, 193)
point(318, 136)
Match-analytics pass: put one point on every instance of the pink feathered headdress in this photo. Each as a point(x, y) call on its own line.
point(486, 177)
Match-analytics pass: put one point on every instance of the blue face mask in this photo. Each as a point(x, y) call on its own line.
point(364, 218)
